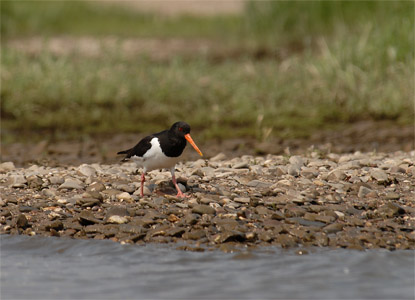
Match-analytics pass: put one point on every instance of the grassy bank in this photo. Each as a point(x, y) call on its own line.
point(300, 66)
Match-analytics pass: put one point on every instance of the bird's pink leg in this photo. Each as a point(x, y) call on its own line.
point(179, 192)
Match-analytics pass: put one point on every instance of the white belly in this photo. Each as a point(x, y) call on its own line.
point(155, 158)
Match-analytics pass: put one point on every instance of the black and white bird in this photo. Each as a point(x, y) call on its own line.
point(161, 150)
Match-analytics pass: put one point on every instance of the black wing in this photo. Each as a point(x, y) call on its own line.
point(138, 150)
point(171, 145)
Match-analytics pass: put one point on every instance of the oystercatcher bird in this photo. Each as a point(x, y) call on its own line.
point(161, 150)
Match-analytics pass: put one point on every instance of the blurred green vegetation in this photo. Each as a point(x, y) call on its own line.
point(49, 18)
point(341, 62)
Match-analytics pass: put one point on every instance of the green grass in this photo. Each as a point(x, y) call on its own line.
point(49, 18)
point(343, 61)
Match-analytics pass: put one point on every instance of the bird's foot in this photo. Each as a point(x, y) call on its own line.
point(181, 195)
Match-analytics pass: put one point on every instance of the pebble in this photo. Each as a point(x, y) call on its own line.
point(392, 196)
point(56, 225)
point(26, 209)
point(21, 221)
point(297, 160)
point(87, 170)
point(363, 191)
point(391, 210)
point(86, 217)
point(259, 184)
point(7, 166)
point(207, 171)
point(339, 214)
point(125, 188)
point(281, 170)
point(218, 157)
point(206, 200)
point(354, 201)
point(62, 201)
point(294, 170)
point(96, 187)
point(336, 175)
point(119, 210)
point(333, 228)
point(87, 202)
point(243, 200)
point(191, 219)
point(203, 209)
point(17, 181)
point(379, 175)
point(182, 205)
point(34, 181)
point(230, 236)
point(93, 194)
point(198, 164)
point(115, 219)
point(277, 216)
point(194, 234)
point(305, 222)
point(124, 196)
point(325, 219)
point(309, 173)
point(55, 180)
point(241, 165)
point(182, 187)
point(72, 183)
point(286, 241)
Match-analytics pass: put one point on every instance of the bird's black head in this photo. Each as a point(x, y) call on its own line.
point(180, 128)
point(182, 131)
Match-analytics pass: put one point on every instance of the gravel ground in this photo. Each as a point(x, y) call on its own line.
point(358, 201)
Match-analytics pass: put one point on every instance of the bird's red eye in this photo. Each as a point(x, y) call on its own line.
point(180, 129)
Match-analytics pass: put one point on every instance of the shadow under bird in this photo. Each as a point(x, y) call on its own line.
point(161, 150)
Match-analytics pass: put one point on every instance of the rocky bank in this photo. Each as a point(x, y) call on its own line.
point(358, 201)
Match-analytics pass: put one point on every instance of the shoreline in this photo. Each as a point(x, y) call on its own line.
point(354, 201)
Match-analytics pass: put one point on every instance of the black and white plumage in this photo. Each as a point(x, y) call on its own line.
point(161, 150)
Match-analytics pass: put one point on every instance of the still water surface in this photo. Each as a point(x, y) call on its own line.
point(57, 268)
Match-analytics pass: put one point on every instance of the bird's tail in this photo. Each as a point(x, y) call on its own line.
point(124, 152)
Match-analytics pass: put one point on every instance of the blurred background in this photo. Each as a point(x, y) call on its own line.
point(82, 80)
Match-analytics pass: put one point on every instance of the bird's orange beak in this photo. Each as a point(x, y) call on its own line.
point(190, 140)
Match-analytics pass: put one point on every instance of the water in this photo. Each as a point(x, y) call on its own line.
point(54, 268)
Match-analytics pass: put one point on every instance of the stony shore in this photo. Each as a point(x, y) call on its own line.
point(357, 201)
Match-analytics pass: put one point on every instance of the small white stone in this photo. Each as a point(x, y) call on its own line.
point(198, 164)
point(336, 175)
point(87, 170)
point(244, 200)
point(339, 213)
point(17, 181)
point(7, 166)
point(124, 196)
point(294, 169)
point(71, 183)
point(56, 179)
point(379, 175)
point(53, 215)
point(363, 191)
point(297, 160)
point(62, 201)
point(218, 157)
point(208, 171)
point(117, 220)
point(284, 182)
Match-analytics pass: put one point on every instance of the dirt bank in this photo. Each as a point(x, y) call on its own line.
point(361, 136)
